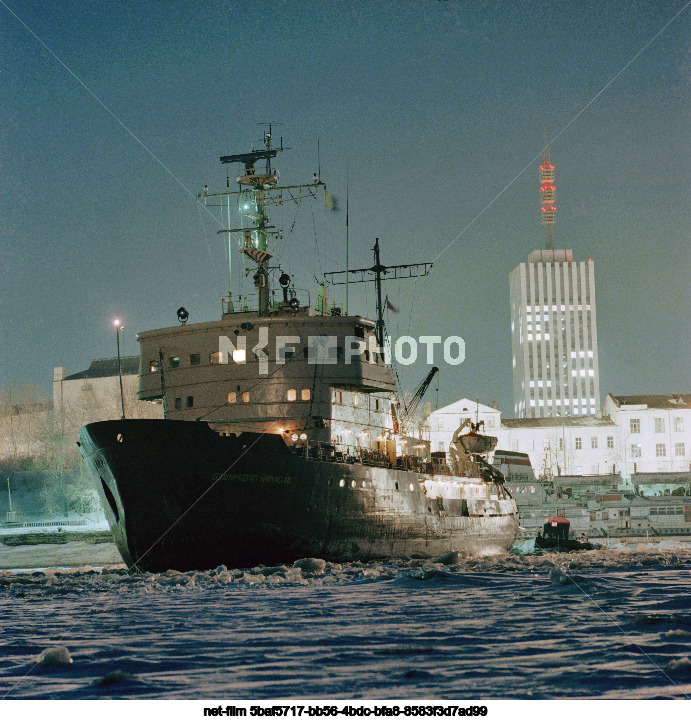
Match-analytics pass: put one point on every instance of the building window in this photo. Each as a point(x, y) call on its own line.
point(679, 449)
point(246, 397)
point(595, 469)
point(195, 359)
point(178, 404)
point(635, 450)
point(579, 444)
point(659, 425)
point(635, 425)
point(153, 366)
point(660, 450)
point(232, 397)
point(305, 394)
point(610, 441)
point(190, 401)
point(215, 357)
point(593, 442)
point(174, 361)
point(678, 425)
point(291, 394)
point(490, 423)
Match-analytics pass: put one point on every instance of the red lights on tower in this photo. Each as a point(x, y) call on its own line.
point(548, 194)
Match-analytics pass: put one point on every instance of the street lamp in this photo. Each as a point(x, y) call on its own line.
point(119, 327)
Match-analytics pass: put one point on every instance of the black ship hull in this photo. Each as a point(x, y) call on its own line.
point(561, 545)
point(178, 495)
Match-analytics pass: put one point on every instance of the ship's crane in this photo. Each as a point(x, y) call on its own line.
point(408, 409)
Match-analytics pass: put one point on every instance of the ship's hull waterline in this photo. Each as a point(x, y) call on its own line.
point(178, 495)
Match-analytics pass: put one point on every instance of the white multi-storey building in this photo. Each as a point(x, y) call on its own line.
point(563, 446)
point(554, 336)
point(646, 440)
point(654, 432)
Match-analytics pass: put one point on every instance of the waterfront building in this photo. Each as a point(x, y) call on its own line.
point(654, 434)
point(444, 422)
point(640, 442)
point(94, 395)
point(565, 446)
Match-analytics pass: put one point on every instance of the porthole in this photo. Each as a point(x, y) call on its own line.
point(411, 486)
point(341, 483)
point(118, 438)
point(352, 484)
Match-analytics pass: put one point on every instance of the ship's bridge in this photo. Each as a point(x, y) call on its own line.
point(258, 373)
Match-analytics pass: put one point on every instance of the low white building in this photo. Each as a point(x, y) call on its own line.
point(562, 446)
point(644, 439)
point(443, 423)
point(653, 432)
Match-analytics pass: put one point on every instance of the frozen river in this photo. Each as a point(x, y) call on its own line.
point(600, 624)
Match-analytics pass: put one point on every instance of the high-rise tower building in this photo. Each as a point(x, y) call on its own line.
point(553, 326)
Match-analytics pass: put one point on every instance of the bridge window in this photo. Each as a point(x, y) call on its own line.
point(246, 397)
point(178, 404)
point(174, 361)
point(190, 401)
point(195, 359)
point(232, 397)
point(153, 366)
point(215, 357)
point(305, 394)
point(292, 394)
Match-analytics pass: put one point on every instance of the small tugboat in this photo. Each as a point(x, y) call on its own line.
point(282, 435)
point(555, 537)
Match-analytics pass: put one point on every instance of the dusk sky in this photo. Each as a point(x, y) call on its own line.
point(431, 109)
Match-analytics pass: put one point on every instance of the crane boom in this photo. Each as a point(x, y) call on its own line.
point(409, 409)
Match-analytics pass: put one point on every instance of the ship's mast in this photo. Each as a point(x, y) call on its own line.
point(257, 191)
point(254, 239)
point(392, 272)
